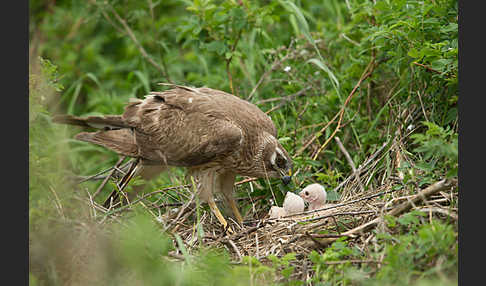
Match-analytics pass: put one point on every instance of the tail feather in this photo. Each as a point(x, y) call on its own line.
point(121, 141)
point(98, 122)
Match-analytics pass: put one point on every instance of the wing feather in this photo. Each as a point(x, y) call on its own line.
point(181, 127)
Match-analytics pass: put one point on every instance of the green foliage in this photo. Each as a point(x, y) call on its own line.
point(430, 250)
point(336, 274)
point(426, 252)
point(89, 64)
point(439, 148)
point(47, 176)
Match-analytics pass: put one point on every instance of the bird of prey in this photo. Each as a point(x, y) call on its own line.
point(315, 195)
point(214, 134)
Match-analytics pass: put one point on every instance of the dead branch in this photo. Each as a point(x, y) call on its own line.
point(109, 176)
point(402, 208)
point(274, 66)
point(134, 39)
point(366, 73)
point(350, 161)
point(289, 98)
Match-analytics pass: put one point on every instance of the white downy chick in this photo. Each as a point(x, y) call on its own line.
point(277, 212)
point(315, 195)
point(293, 203)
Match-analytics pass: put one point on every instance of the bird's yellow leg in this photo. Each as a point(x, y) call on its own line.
point(225, 181)
point(219, 216)
point(235, 210)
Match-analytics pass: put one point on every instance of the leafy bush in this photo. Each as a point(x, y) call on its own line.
point(389, 66)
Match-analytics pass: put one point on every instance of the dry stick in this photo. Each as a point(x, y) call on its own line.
point(181, 211)
point(439, 210)
point(99, 175)
point(120, 30)
point(139, 46)
point(252, 199)
point(361, 167)
point(340, 113)
point(109, 176)
point(257, 255)
point(307, 234)
point(366, 73)
point(352, 261)
point(275, 64)
point(350, 161)
point(338, 214)
point(288, 99)
point(122, 184)
point(315, 136)
point(404, 207)
point(427, 68)
point(230, 242)
point(311, 126)
point(285, 218)
point(174, 188)
point(422, 105)
point(228, 62)
point(283, 98)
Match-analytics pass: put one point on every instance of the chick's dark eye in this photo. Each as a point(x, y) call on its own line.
point(306, 193)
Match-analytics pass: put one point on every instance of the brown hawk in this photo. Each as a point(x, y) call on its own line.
point(214, 134)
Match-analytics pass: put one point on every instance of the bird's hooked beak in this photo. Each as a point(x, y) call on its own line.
point(286, 178)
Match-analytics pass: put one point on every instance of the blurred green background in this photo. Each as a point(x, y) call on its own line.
point(297, 60)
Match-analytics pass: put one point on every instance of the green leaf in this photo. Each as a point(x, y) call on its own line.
point(216, 46)
point(322, 66)
point(333, 196)
point(286, 272)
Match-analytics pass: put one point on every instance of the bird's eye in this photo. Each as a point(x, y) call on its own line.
point(306, 193)
point(280, 162)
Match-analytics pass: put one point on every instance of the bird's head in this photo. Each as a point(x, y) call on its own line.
point(314, 193)
point(278, 163)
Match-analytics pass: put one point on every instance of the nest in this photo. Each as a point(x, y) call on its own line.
point(313, 230)
point(301, 233)
point(351, 218)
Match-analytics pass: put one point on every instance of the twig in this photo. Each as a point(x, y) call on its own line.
point(181, 211)
point(350, 161)
point(366, 73)
point(228, 62)
point(176, 256)
point(132, 36)
point(334, 206)
point(109, 176)
point(314, 137)
point(283, 98)
point(404, 207)
point(361, 167)
point(257, 255)
point(422, 105)
point(275, 64)
point(98, 176)
point(438, 210)
point(123, 183)
point(317, 242)
point(288, 99)
point(352, 261)
point(230, 242)
point(427, 67)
